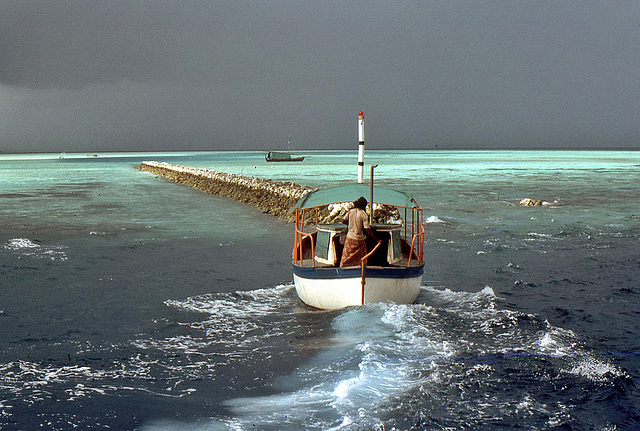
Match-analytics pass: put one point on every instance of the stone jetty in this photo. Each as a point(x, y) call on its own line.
point(272, 197)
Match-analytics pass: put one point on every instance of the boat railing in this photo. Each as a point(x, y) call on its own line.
point(363, 261)
point(419, 246)
point(299, 236)
point(413, 229)
point(363, 264)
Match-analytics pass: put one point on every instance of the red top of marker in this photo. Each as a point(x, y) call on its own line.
point(361, 114)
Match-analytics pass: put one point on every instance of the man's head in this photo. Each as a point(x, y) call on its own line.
point(360, 203)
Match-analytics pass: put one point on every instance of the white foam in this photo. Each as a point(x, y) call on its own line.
point(372, 359)
point(594, 369)
point(241, 304)
point(445, 241)
point(26, 247)
point(557, 342)
point(378, 355)
point(433, 219)
point(460, 301)
point(20, 243)
point(540, 235)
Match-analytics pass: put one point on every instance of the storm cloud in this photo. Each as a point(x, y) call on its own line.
point(201, 75)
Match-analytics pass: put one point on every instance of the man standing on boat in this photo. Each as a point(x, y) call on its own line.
point(355, 246)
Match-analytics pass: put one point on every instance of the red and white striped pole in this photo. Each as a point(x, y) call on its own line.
point(360, 147)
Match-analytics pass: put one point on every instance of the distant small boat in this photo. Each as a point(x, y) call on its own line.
point(282, 156)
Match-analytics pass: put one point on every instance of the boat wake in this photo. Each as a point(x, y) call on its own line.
point(452, 355)
point(260, 358)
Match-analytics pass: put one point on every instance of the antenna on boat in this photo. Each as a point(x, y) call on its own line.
point(371, 201)
point(360, 147)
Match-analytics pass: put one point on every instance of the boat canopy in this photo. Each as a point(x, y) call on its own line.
point(351, 192)
point(279, 155)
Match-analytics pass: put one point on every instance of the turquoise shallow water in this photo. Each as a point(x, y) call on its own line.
point(588, 189)
point(127, 301)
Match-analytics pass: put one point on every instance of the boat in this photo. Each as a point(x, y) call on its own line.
point(282, 156)
point(390, 272)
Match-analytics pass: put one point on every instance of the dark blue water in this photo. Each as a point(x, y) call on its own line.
point(127, 302)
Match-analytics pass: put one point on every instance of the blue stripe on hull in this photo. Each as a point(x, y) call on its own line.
point(377, 272)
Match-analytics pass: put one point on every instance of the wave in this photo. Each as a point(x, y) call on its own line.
point(386, 365)
point(454, 358)
point(27, 247)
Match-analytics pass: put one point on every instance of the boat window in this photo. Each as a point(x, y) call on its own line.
point(395, 248)
point(322, 246)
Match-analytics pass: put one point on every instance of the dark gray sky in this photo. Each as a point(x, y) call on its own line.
point(206, 75)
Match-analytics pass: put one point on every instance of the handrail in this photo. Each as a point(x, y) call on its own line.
point(413, 241)
point(363, 264)
point(313, 251)
point(298, 240)
point(295, 238)
point(366, 256)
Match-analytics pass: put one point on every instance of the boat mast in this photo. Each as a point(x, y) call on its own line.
point(371, 201)
point(360, 147)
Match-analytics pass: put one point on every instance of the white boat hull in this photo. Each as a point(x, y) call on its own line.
point(335, 288)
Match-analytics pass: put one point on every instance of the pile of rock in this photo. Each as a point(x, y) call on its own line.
point(528, 202)
point(335, 213)
point(273, 197)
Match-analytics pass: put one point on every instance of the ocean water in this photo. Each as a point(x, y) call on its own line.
point(129, 302)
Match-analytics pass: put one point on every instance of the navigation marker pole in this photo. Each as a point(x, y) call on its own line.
point(360, 147)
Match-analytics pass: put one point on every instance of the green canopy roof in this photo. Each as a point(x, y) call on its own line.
point(351, 192)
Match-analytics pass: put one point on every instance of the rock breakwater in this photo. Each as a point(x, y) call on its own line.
point(272, 197)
